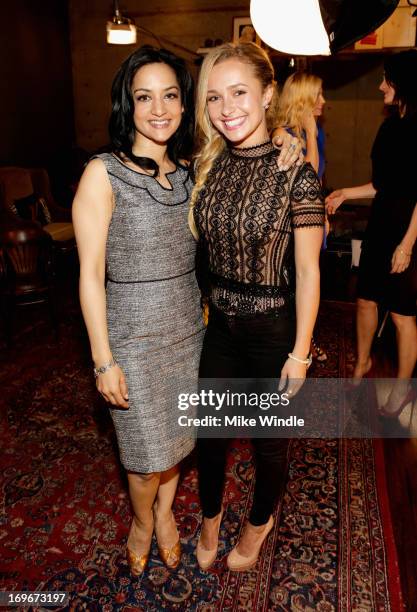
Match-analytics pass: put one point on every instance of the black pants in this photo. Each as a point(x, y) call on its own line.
point(238, 348)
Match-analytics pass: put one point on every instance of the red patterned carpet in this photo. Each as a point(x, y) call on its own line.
point(64, 512)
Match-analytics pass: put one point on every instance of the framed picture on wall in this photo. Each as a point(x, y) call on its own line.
point(243, 31)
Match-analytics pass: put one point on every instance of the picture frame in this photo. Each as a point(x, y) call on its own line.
point(243, 31)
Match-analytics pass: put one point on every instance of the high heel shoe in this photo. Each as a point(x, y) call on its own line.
point(171, 556)
point(137, 563)
point(240, 563)
point(410, 397)
point(355, 382)
point(317, 352)
point(207, 556)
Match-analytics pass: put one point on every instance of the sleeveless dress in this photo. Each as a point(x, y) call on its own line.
point(393, 176)
point(153, 313)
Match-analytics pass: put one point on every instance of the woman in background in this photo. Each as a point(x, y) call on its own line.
point(388, 263)
point(299, 107)
point(260, 228)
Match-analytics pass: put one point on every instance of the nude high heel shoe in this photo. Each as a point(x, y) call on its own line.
point(240, 563)
point(207, 556)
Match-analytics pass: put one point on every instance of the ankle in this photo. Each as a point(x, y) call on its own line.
point(163, 515)
point(362, 362)
point(143, 523)
point(256, 528)
point(211, 522)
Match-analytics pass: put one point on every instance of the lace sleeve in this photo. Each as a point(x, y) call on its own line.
point(307, 202)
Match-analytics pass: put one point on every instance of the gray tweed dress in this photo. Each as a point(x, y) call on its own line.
point(153, 313)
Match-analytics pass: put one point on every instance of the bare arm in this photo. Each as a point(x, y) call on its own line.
point(310, 128)
point(307, 219)
point(307, 242)
point(92, 212)
point(336, 198)
point(402, 254)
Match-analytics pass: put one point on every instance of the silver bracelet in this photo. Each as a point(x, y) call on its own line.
point(307, 362)
point(105, 367)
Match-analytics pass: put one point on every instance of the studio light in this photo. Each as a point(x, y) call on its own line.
point(291, 26)
point(317, 27)
point(120, 30)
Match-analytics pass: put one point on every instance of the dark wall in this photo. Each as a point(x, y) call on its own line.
point(36, 103)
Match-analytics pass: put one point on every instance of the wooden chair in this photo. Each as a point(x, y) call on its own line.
point(26, 272)
point(19, 185)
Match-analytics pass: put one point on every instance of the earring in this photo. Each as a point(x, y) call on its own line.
point(266, 106)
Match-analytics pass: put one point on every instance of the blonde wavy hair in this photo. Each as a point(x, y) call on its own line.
point(298, 95)
point(210, 142)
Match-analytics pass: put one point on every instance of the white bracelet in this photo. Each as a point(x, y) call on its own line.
point(307, 362)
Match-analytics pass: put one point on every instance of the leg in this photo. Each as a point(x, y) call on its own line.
point(366, 324)
point(271, 454)
point(406, 334)
point(143, 489)
point(211, 455)
point(166, 492)
point(220, 358)
point(271, 340)
point(165, 525)
point(271, 458)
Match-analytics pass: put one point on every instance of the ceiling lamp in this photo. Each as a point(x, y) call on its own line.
point(120, 30)
point(317, 27)
point(290, 26)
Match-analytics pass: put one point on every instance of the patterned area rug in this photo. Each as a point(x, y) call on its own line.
point(64, 511)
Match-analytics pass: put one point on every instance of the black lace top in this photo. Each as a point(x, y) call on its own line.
point(245, 216)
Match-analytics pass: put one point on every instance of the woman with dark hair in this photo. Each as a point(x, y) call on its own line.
point(145, 328)
point(388, 264)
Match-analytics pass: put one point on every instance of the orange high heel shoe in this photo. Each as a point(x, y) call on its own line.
point(137, 563)
point(171, 556)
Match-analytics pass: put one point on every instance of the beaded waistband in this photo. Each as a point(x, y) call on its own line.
point(234, 298)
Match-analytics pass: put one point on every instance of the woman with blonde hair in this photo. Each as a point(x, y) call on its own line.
point(260, 228)
point(300, 105)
